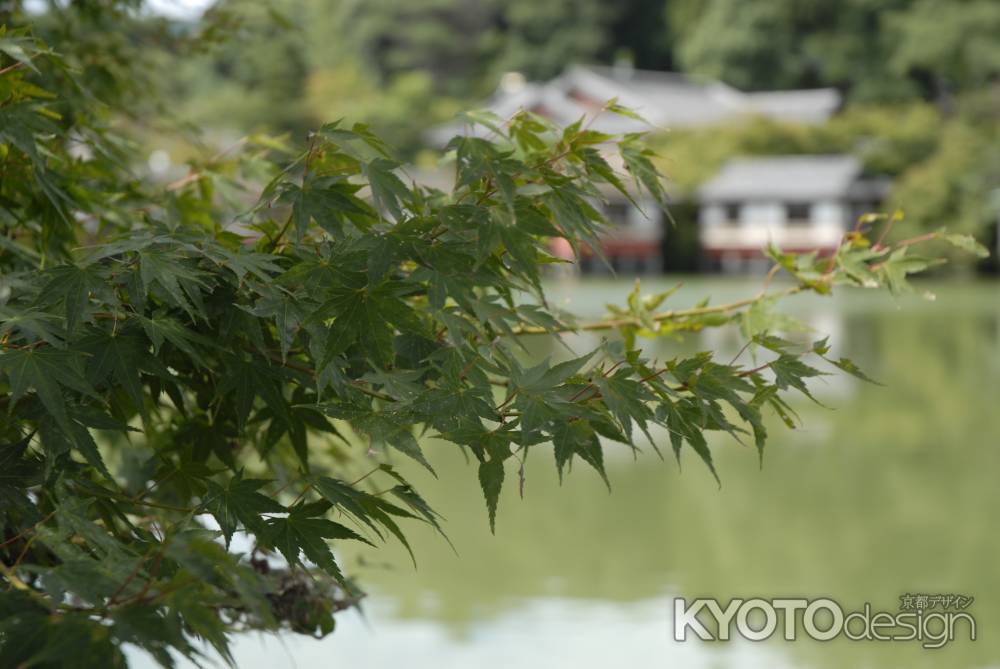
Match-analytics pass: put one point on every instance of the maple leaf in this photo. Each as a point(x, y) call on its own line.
point(239, 502)
point(301, 533)
point(48, 372)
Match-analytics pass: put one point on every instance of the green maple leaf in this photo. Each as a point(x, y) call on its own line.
point(474, 158)
point(72, 286)
point(243, 263)
point(724, 382)
point(287, 314)
point(598, 167)
point(614, 107)
point(638, 163)
point(364, 507)
point(385, 428)
point(18, 471)
point(239, 502)
point(491, 479)
point(48, 372)
point(578, 438)
point(388, 190)
point(350, 500)
point(405, 492)
point(684, 421)
point(81, 438)
point(966, 243)
point(181, 282)
point(364, 316)
point(246, 380)
point(330, 202)
point(627, 399)
point(544, 376)
point(849, 366)
point(162, 329)
point(35, 322)
point(302, 533)
point(119, 356)
point(790, 371)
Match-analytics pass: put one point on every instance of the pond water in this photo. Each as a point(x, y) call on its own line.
point(889, 490)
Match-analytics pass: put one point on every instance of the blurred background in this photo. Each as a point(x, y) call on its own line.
point(774, 120)
point(884, 104)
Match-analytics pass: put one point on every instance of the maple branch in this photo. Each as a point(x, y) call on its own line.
point(919, 238)
point(360, 384)
point(673, 314)
point(885, 230)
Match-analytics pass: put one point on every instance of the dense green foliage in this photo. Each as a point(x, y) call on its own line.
point(205, 384)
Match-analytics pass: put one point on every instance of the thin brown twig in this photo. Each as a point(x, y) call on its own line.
point(771, 273)
point(885, 231)
point(26, 530)
point(301, 494)
point(357, 383)
point(354, 483)
point(11, 67)
point(197, 174)
point(741, 351)
point(128, 579)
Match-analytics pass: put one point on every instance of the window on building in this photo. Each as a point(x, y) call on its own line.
point(732, 212)
point(617, 213)
point(798, 213)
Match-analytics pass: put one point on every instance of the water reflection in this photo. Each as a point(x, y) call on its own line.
point(893, 490)
point(541, 633)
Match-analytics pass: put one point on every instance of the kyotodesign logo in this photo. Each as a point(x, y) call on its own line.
point(931, 620)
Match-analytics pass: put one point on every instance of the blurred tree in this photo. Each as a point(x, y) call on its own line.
point(466, 44)
point(955, 185)
point(644, 30)
point(311, 56)
point(880, 50)
point(955, 44)
point(747, 44)
point(850, 45)
point(541, 38)
point(239, 79)
point(452, 40)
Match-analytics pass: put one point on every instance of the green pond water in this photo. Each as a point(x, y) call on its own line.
point(890, 490)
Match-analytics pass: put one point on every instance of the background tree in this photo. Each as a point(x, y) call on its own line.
point(539, 39)
point(951, 46)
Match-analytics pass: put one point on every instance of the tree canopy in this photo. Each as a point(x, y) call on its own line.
point(246, 351)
